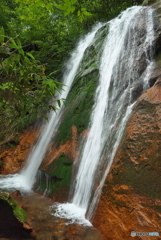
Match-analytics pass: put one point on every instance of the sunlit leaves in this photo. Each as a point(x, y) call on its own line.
point(83, 13)
point(67, 6)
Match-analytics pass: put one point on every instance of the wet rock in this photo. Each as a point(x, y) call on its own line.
point(136, 92)
point(16, 193)
point(13, 220)
point(131, 197)
point(13, 157)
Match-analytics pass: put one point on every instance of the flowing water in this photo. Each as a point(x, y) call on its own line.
point(25, 180)
point(125, 65)
point(124, 69)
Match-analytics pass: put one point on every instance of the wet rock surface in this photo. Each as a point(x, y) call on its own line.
point(46, 226)
point(131, 197)
point(14, 223)
point(14, 154)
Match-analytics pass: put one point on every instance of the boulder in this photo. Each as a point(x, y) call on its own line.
point(14, 223)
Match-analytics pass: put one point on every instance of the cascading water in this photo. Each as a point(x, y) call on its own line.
point(125, 65)
point(25, 180)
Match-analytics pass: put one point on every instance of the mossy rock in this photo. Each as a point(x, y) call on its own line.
point(56, 177)
point(78, 107)
point(18, 212)
point(14, 223)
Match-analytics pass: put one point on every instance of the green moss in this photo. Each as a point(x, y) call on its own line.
point(61, 169)
point(78, 107)
point(158, 59)
point(18, 212)
point(57, 175)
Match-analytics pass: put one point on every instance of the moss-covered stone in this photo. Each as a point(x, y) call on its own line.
point(18, 212)
point(14, 223)
point(56, 176)
point(78, 107)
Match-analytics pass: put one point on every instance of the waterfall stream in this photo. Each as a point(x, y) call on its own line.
point(123, 77)
point(126, 63)
point(25, 180)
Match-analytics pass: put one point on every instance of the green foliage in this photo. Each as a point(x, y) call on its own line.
point(25, 89)
point(41, 35)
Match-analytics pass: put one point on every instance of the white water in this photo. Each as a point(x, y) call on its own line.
point(149, 42)
point(25, 180)
point(114, 99)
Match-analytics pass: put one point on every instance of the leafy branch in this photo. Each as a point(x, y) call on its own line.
point(25, 89)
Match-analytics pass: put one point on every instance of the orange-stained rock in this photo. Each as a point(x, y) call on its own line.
point(14, 158)
point(54, 152)
point(131, 196)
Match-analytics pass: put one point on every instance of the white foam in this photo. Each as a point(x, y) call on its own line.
point(14, 182)
point(73, 213)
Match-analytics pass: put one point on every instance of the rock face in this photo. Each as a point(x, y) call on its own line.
point(14, 154)
point(131, 196)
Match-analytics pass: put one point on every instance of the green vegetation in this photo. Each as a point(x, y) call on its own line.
point(25, 89)
point(57, 175)
point(18, 212)
point(36, 38)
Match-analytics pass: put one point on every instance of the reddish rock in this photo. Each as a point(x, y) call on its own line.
point(13, 158)
point(69, 149)
point(131, 197)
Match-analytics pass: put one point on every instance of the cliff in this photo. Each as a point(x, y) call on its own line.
point(131, 196)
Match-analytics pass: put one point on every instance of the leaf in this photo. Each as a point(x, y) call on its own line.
point(73, 1)
point(30, 55)
point(45, 117)
point(52, 107)
point(87, 13)
point(52, 86)
point(72, 9)
point(14, 43)
point(11, 45)
point(59, 103)
point(2, 35)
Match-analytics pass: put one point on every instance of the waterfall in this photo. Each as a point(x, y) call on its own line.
point(26, 178)
point(124, 69)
